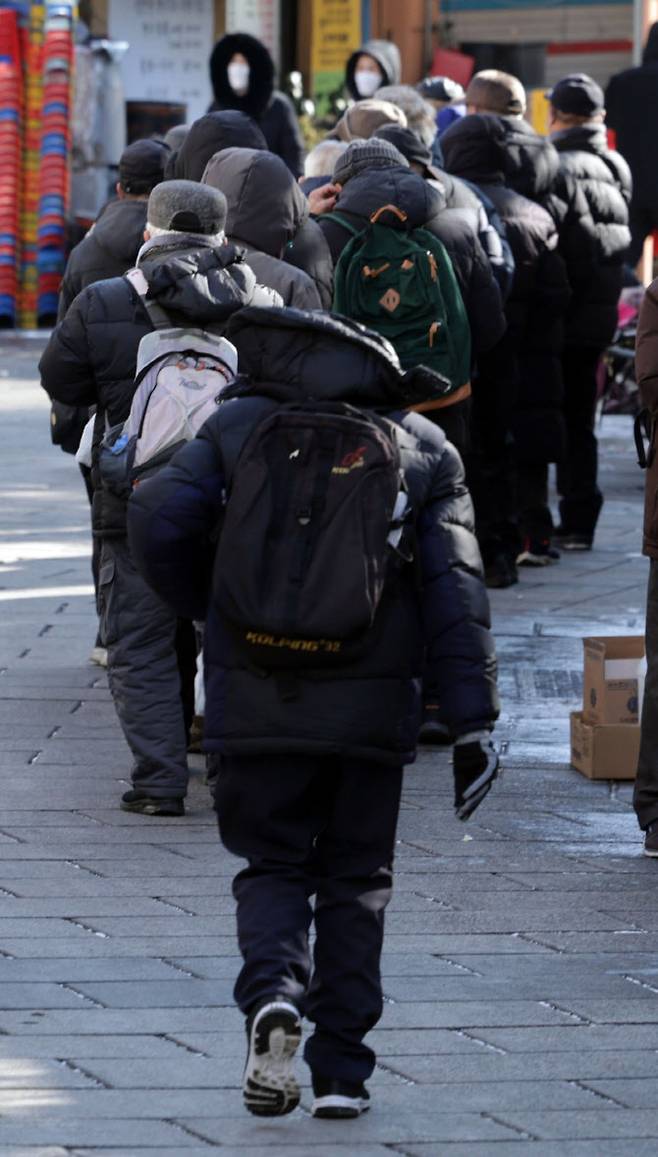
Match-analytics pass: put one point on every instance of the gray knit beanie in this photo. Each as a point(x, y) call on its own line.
point(187, 207)
point(363, 155)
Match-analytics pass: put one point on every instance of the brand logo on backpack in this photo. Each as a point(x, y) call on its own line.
point(355, 460)
point(390, 300)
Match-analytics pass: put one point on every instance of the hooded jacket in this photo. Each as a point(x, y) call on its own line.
point(605, 181)
point(646, 372)
point(371, 709)
point(425, 206)
point(631, 101)
point(477, 148)
point(272, 110)
point(91, 356)
point(108, 250)
point(209, 135)
point(387, 56)
point(265, 209)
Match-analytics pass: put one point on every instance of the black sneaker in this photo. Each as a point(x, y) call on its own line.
point(146, 805)
point(433, 731)
point(500, 572)
point(338, 1100)
point(573, 539)
point(537, 552)
point(269, 1085)
point(651, 841)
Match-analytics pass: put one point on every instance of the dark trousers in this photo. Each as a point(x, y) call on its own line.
point(490, 466)
point(645, 795)
point(581, 499)
point(321, 826)
point(535, 517)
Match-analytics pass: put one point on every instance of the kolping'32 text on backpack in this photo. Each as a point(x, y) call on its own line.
point(401, 283)
point(181, 373)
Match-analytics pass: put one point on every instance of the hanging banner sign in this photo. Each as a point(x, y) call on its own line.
point(335, 34)
point(169, 49)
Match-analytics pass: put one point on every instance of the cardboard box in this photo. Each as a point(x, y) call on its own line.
point(614, 673)
point(604, 752)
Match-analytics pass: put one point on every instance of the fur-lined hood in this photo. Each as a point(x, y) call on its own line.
point(261, 80)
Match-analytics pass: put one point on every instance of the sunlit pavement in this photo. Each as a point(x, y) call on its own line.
point(521, 965)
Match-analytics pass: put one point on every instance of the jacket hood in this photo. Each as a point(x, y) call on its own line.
point(265, 204)
point(203, 282)
point(592, 138)
point(364, 194)
point(261, 79)
point(489, 149)
point(650, 54)
point(120, 229)
point(305, 355)
point(209, 135)
point(387, 56)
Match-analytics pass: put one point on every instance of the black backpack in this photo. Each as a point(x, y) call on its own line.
point(314, 520)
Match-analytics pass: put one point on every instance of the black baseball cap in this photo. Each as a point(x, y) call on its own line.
point(141, 166)
point(577, 94)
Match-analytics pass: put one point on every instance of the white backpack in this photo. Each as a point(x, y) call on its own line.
point(181, 374)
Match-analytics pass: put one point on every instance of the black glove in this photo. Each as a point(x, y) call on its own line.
point(475, 765)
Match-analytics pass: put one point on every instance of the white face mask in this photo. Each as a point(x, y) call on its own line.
point(367, 82)
point(238, 77)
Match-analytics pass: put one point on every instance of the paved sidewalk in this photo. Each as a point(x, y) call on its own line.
point(521, 965)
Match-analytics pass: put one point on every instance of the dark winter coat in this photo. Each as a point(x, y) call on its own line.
point(272, 110)
point(213, 132)
point(91, 356)
point(476, 148)
point(631, 101)
point(370, 709)
point(605, 180)
point(387, 56)
point(646, 373)
point(109, 249)
point(425, 207)
point(265, 209)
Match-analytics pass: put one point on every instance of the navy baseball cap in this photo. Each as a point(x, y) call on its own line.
point(577, 94)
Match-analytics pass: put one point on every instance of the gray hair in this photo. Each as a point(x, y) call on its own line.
point(421, 118)
point(322, 159)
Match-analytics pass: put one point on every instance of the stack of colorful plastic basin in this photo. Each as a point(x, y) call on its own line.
point(33, 87)
point(54, 155)
point(10, 170)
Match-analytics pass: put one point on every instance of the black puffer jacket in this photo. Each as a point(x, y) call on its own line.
point(425, 207)
point(371, 708)
point(476, 148)
point(91, 356)
point(272, 110)
point(387, 56)
point(213, 132)
point(605, 180)
point(265, 209)
point(109, 249)
point(531, 166)
point(631, 101)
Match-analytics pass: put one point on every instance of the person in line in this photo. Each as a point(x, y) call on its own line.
point(361, 120)
point(319, 164)
point(311, 759)
point(265, 210)
point(242, 77)
point(230, 129)
point(374, 64)
point(90, 359)
point(631, 101)
point(645, 792)
point(113, 242)
point(419, 113)
point(373, 173)
point(577, 121)
point(518, 390)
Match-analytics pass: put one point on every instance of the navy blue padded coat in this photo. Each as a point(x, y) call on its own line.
point(439, 627)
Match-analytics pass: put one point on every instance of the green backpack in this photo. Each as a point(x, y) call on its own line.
point(401, 283)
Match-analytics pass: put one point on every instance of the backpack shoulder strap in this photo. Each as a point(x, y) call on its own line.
point(158, 317)
point(341, 219)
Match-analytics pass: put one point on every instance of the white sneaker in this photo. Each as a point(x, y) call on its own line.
point(269, 1085)
point(99, 656)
